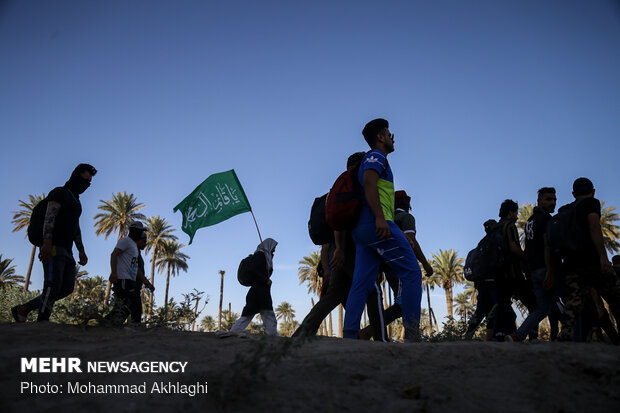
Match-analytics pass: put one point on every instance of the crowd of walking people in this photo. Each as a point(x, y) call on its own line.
point(377, 238)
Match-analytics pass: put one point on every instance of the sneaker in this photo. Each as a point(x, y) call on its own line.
point(511, 338)
point(365, 333)
point(18, 316)
point(565, 335)
point(412, 334)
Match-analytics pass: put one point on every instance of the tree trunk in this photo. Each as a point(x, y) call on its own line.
point(435, 320)
point(195, 313)
point(166, 297)
point(331, 331)
point(385, 286)
point(474, 298)
point(107, 291)
point(430, 310)
point(219, 317)
point(318, 332)
point(27, 281)
point(448, 289)
point(385, 305)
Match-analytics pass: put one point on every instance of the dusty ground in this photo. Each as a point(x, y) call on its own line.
point(320, 375)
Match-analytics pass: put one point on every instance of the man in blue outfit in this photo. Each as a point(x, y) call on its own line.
point(377, 238)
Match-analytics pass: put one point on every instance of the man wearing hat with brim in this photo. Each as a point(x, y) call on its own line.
point(123, 272)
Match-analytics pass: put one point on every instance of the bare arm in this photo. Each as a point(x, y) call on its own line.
point(338, 257)
point(51, 213)
point(428, 270)
point(371, 177)
point(325, 262)
point(516, 250)
point(594, 224)
point(78, 244)
point(142, 277)
point(113, 262)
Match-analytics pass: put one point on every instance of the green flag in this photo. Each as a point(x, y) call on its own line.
point(218, 198)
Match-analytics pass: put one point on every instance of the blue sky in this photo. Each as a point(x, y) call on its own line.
point(488, 100)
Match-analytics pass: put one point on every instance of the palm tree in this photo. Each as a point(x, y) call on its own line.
point(463, 305)
point(7, 273)
point(449, 268)
point(525, 212)
point(79, 274)
point(21, 220)
point(90, 289)
point(286, 313)
point(157, 230)
point(207, 323)
point(228, 319)
point(425, 322)
point(307, 272)
point(611, 231)
point(472, 293)
point(288, 327)
point(172, 260)
point(117, 215)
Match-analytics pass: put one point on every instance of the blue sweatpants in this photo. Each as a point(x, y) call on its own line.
point(370, 252)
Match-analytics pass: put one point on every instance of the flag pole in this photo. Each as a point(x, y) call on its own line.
point(255, 223)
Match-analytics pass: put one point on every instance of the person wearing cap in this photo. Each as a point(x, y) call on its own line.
point(589, 267)
point(124, 264)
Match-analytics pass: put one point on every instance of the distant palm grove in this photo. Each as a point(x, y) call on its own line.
point(91, 297)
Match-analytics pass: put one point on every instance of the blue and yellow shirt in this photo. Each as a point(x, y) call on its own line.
point(375, 159)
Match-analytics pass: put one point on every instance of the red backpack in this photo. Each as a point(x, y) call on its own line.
point(344, 201)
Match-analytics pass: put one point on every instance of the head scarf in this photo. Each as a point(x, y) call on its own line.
point(267, 247)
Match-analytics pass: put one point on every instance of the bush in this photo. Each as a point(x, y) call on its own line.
point(10, 296)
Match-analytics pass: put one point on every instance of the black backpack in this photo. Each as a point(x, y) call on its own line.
point(488, 258)
point(318, 228)
point(252, 269)
point(35, 227)
point(563, 232)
